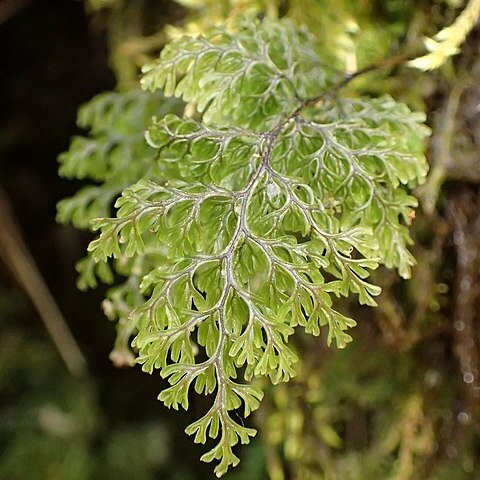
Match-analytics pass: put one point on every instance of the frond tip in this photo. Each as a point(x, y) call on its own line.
point(448, 41)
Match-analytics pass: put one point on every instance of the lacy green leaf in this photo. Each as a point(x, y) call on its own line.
point(251, 77)
point(243, 223)
point(113, 155)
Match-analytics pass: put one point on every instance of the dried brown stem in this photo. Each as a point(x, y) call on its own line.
point(16, 256)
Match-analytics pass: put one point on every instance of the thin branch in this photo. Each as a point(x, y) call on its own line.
point(380, 65)
point(16, 256)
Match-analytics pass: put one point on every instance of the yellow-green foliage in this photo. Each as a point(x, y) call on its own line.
point(243, 214)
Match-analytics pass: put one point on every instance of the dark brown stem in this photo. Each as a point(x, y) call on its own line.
point(391, 62)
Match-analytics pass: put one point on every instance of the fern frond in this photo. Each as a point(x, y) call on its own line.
point(251, 78)
point(113, 154)
point(249, 219)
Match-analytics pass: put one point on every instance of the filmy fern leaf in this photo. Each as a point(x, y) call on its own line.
point(250, 78)
point(113, 155)
point(249, 218)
